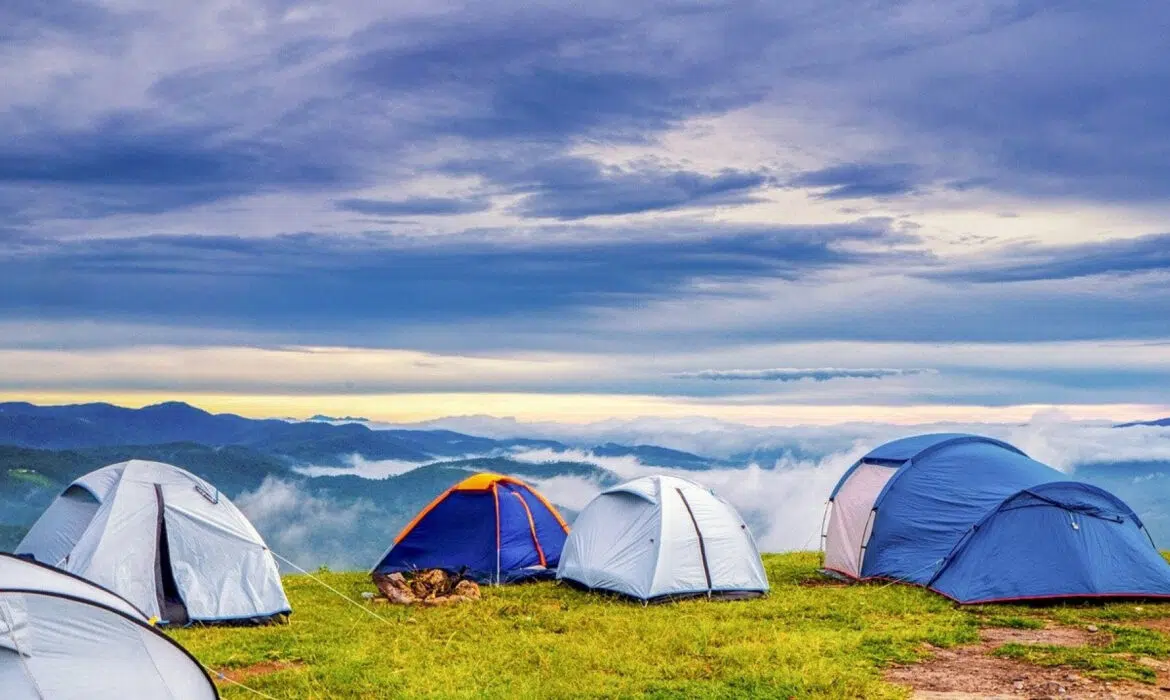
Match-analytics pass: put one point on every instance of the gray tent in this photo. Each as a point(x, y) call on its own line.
point(662, 537)
point(64, 638)
point(165, 540)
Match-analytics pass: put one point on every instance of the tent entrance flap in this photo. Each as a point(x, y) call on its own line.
point(170, 602)
point(850, 516)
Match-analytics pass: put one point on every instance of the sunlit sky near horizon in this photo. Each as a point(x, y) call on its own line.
point(766, 213)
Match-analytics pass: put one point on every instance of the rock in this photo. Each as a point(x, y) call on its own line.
point(1018, 685)
point(1092, 628)
point(467, 589)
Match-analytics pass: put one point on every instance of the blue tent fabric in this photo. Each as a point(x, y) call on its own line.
point(977, 520)
point(459, 533)
point(489, 528)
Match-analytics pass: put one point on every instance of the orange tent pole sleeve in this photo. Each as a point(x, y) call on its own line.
point(551, 508)
point(496, 498)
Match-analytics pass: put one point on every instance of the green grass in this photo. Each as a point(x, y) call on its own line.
point(806, 639)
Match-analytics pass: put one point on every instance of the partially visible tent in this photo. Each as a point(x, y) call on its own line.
point(165, 540)
point(63, 638)
point(488, 527)
point(661, 537)
point(978, 521)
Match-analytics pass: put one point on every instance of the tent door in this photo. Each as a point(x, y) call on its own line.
point(170, 603)
point(850, 519)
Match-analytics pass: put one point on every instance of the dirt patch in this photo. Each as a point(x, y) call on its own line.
point(994, 637)
point(261, 669)
point(972, 672)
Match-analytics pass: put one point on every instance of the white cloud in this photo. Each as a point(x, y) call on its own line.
point(303, 528)
point(794, 374)
point(365, 468)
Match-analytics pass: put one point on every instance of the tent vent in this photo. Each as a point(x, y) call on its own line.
point(211, 497)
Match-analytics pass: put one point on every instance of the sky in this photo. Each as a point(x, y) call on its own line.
point(768, 213)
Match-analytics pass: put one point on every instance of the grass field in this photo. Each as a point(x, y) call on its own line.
point(806, 639)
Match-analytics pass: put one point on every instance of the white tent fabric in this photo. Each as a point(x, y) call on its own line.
point(849, 520)
point(109, 527)
point(62, 638)
point(661, 536)
point(17, 574)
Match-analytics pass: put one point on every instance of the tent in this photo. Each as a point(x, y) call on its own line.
point(978, 521)
point(64, 638)
point(488, 527)
point(661, 537)
point(165, 540)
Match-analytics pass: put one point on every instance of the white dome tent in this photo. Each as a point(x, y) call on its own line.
point(661, 537)
point(165, 540)
point(64, 638)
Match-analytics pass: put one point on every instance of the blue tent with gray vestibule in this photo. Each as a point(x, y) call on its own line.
point(977, 520)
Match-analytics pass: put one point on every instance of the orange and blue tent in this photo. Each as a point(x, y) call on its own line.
point(489, 527)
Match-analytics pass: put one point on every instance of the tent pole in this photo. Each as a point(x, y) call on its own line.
point(496, 497)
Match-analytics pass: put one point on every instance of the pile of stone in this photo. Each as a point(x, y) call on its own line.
point(430, 587)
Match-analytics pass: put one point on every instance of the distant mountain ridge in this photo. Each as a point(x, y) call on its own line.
point(105, 425)
point(83, 426)
point(1159, 423)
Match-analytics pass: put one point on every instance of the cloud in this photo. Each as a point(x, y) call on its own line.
point(856, 180)
point(28, 20)
point(1130, 256)
point(571, 188)
point(790, 374)
point(385, 280)
point(534, 75)
point(782, 501)
point(305, 528)
point(359, 466)
point(417, 206)
point(129, 164)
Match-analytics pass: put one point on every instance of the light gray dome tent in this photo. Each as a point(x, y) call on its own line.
point(165, 540)
point(64, 638)
point(661, 537)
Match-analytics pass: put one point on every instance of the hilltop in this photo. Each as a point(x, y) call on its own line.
point(810, 638)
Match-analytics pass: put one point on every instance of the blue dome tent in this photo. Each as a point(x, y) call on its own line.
point(488, 527)
point(978, 521)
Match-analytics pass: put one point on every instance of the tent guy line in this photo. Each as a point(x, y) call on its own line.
point(336, 592)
